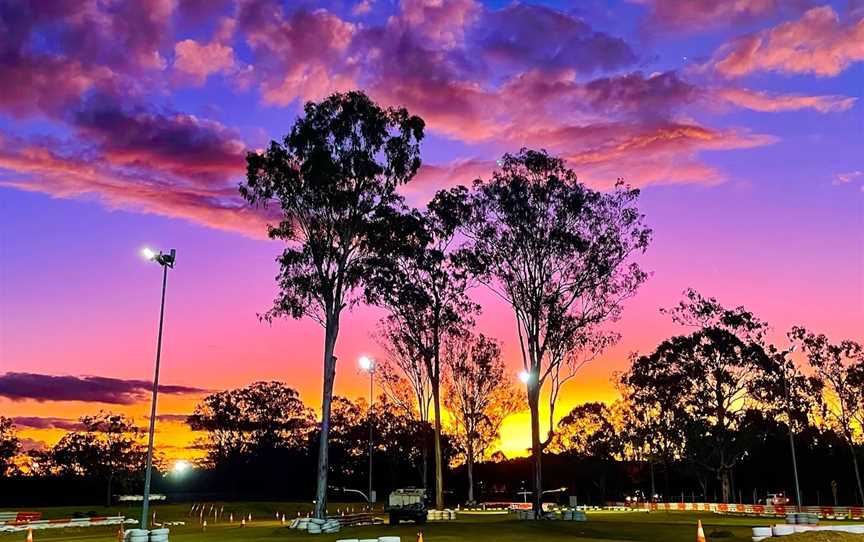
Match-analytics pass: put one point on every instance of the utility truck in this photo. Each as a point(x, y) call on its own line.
point(408, 504)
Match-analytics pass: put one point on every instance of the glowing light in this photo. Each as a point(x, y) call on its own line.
point(524, 376)
point(366, 363)
point(147, 253)
point(181, 466)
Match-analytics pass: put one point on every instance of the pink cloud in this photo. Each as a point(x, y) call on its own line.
point(436, 23)
point(662, 153)
point(310, 82)
point(504, 78)
point(362, 7)
point(458, 109)
point(818, 43)
point(296, 36)
point(433, 177)
point(174, 143)
point(196, 11)
point(128, 37)
point(610, 127)
point(848, 177)
point(606, 128)
point(87, 47)
point(621, 96)
point(200, 61)
point(43, 170)
point(298, 54)
point(473, 112)
point(642, 154)
point(40, 82)
point(692, 16)
point(523, 36)
point(767, 102)
point(165, 163)
point(46, 84)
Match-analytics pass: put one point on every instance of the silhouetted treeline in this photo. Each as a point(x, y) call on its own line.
point(706, 416)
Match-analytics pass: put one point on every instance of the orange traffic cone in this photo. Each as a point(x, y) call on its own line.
point(700, 533)
point(29, 535)
point(420, 536)
point(120, 534)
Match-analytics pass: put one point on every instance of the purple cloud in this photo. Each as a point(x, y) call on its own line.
point(166, 141)
point(48, 422)
point(93, 389)
point(522, 37)
point(687, 16)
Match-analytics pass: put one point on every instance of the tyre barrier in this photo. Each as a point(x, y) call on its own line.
point(447, 514)
point(802, 518)
point(781, 529)
point(143, 535)
point(379, 539)
point(573, 515)
point(333, 524)
point(761, 533)
point(524, 514)
point(566, 514)
point(502, 506)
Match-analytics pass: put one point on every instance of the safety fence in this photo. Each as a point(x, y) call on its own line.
point(18, 517)
point(63, 523)
point(772, 510)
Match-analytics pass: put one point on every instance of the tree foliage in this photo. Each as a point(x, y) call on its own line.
point(424, 291)
point(258, 418)
point(479, 395)
point(334, 178)
point(559, 253)
point(839, 368)
point(9, 444)
point(401, 373)
point(589, 430)
point(705, 382)
point(109, 447)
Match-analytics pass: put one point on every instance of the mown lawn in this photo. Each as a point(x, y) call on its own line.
point(606, 526)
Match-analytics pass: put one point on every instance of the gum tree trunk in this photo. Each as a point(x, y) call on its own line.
point(536, 451)
point(424, 475)
point(331, 332)
point(470, 466)
point(857, 472)
point(439, 471)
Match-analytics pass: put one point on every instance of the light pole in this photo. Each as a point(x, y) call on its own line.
point(166, 261)
point(789, 425)
point(367, 364)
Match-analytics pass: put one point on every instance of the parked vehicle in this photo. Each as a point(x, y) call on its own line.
point(407, 504)
point(777, 499)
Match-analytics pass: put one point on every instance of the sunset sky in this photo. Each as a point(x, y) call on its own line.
point(124, 124)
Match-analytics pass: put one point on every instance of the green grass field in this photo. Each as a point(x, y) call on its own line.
point(606, 526)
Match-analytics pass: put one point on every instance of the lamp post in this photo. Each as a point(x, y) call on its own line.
point(367, 365)
point(789, 425)
point(166, 261)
